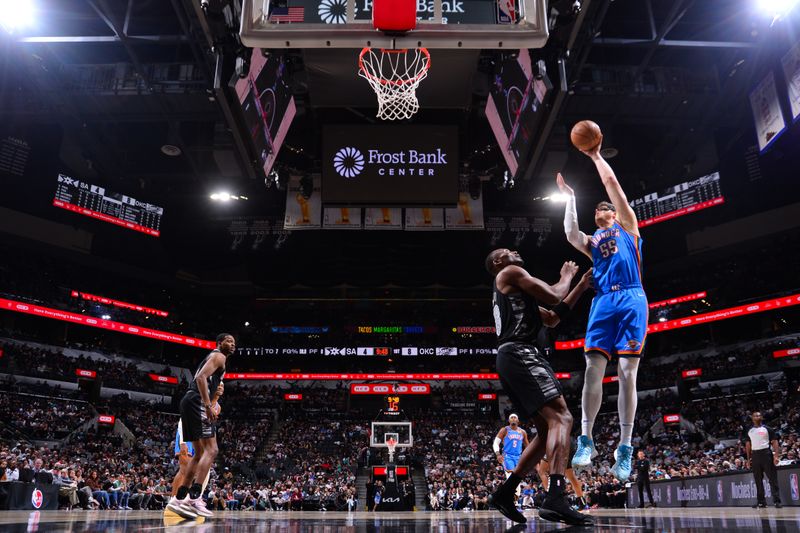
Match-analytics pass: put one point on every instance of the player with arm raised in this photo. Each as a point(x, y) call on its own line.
point(528, 378)
point(619, 313)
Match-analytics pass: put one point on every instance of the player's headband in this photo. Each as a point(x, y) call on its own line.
point(512, 415)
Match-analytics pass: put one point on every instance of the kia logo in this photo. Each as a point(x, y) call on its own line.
point(419, 388)
point(361, 388)
point(348, 162)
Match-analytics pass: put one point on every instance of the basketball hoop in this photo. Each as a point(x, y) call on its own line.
point(394, 76)
point(391, 444)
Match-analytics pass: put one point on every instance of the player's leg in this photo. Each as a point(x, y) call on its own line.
point(577, 486)
point(632, 311)
point(591, 400)
point(555, 507)
point(599, 345)
point(543, 469)
point(627, 402)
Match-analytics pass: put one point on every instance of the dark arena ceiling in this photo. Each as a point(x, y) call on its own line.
point(96, 88)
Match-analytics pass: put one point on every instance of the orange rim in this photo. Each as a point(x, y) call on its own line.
point(383, 81)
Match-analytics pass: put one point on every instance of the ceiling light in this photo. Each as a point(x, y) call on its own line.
point(171, 150)
point(16, 14)
point(559, 197)
point(106, 317)
point(662, 319)
point(777, 8)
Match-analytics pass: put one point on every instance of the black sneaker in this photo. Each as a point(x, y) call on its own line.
point(760, 506)
point(558, 510)
point(505, 504)
point(778, 505)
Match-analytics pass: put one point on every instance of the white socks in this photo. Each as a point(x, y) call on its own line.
point(592, 391)
point(627, 399)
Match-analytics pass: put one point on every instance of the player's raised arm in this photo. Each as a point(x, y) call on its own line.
point(575, 236)
point(547, 294)
point(625, 214)
point(552, 317)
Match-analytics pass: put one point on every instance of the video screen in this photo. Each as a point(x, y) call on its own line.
point(267, 104)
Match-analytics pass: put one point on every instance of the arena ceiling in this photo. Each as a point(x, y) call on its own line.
point(103, 85)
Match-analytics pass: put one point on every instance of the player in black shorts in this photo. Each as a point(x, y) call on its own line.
point(198, 417)
point(528, 379)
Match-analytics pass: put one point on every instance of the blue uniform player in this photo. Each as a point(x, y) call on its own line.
point(514, 440)
point(619, 313)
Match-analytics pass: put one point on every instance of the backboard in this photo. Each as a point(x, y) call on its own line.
point(458, 24)
point(383, 431)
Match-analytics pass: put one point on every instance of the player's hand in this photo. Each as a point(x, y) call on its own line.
point(587, 280)
point(210, 414)
point(595, 152)
point(562, 185)
point(569, 270)
point(500, 458)
point(220, 389)
point(217, 408)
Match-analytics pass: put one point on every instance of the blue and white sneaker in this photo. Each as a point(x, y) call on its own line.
point(584, 454)
point(622, 466)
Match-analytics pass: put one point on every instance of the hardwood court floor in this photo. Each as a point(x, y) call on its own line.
point(728, 520)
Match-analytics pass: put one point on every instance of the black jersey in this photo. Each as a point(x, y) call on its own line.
point(516, 317)
point(212, 381)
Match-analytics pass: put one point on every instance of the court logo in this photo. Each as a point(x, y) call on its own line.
point(794, 487)
point(37, 498)
point(348, 162)
point(333, 11)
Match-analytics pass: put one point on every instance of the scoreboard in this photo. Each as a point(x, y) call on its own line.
point(682, 199)
point(98, 202)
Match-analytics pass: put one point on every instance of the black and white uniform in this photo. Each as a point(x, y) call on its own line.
point(762, 461)
point(525, 375)
point(195, 422)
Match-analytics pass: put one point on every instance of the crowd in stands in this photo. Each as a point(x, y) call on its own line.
point(43, 418)
point(30, 360)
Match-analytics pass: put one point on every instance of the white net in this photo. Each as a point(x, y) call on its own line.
point(394, 76)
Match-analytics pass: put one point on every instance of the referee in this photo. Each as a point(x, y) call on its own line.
point(762, 459)
point(642, 466)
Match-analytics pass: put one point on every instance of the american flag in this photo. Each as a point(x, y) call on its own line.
point(287, 14)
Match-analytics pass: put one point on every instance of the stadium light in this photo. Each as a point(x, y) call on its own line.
point(16, 14)
point(777, 9)
point(559, 197)
point(106, 317)
point(224, 196)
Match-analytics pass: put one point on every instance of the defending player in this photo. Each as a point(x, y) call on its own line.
point(528, 379)
point(619, 312)
point(198, 416)
point(184, 451)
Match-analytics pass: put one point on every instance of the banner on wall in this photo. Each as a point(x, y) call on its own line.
point(424, 219)
point(383, 218)
point(341, 218)
point(467, 215)
point(728, 490)
point(302, 213)
point(767, 111)
point(791, 72)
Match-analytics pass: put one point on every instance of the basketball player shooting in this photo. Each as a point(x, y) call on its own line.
point(618, 316)
point(528, 378)
point(198, 417)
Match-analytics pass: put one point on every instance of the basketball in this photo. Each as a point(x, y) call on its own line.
point(585, 135)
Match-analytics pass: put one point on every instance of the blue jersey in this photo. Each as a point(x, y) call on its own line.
point(179, 441)
point(513, 442)
point(617, 257)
